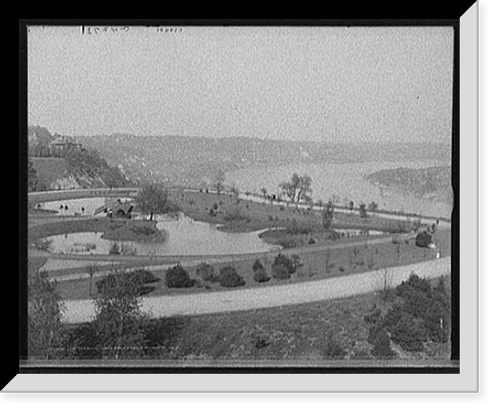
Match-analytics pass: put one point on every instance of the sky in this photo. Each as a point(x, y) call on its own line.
point(331, 84)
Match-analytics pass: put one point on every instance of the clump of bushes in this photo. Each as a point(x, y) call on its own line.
point(381, 342)
point(257, 265)
point(122, 250)
point(280, 272)
point(229, 277)
point(289, 264)
point(260, 276)
point(136, 282)
point(207, 273)
point(145, 276)
point(178, 277)
point(420, 314)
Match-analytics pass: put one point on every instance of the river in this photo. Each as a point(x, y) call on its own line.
point(345, 182)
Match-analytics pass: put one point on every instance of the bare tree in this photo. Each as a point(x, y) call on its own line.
point(91, 269)
point(384, 284)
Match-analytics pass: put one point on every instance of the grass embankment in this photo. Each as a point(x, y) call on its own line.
point(316, 332)
point(331, 330)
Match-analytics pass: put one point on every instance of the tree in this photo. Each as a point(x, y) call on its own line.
point(327, 215)
point(153, 198)
point(362, 210)
point(234, 190)
point(119, 323)
point(91, 269)
point(44, 316)
point(298, 188)
point(373, 206)
point(263, 190)
point(218, 180)
point(32, 177)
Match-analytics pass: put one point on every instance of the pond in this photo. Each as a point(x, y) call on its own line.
point(183, 236)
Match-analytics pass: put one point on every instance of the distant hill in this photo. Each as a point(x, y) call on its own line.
point(191, 160)
point(431, 182)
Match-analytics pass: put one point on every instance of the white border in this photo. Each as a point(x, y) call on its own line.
point(466, 381)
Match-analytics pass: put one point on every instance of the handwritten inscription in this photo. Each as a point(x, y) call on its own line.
point(169, 29)
point(95, 30)
point(100, 30)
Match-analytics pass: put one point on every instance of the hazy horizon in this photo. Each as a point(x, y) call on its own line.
point(322, 84)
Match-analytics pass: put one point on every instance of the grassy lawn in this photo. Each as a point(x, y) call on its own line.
point(237, 215)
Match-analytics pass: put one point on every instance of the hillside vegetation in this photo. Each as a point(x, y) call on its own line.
point(431, 182)
point(73, 168)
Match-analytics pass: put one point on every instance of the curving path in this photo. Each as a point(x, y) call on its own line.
point(265, 297)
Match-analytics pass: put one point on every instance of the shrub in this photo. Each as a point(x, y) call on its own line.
point(291, 265)
point(414, 282)
point(257, 265)
point(280, 272)
point(114, 249)
point(381, 342)
point(207, 273)
point(409, 334)
point(122, 250)
point(335, 351)
point(230, 278)
point(261, 276)
point(333, 235)
point(373, 317)
point(177, 277)
point(144, 276)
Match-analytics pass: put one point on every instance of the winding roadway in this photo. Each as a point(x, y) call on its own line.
point(78, 311)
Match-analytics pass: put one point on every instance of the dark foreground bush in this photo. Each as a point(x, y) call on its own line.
point(230, 278)
point(280, 272)
point(257, 265)
point(409, 334)
point(134, 282)
point(145, 276)
point(381, 342)
point(177, 277)
point(261, 276)
point(290, 264)
point(207, 273)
